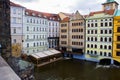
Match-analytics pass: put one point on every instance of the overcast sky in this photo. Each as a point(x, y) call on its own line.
point(67, 6)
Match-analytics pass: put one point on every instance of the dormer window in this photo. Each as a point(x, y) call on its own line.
point(27, 13)
point(39, 15)
point(33, 14)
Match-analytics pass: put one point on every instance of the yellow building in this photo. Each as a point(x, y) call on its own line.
point(116, 37)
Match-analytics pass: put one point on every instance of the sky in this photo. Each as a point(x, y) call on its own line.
point(67, 6)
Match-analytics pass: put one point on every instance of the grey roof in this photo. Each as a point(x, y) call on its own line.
point(6, 73)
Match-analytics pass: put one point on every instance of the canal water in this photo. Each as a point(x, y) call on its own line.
point(76, 70)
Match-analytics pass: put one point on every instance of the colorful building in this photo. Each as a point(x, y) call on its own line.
point(116, 37)
point(72, 35)
point(99, 32)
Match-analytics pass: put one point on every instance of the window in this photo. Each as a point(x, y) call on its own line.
point(95, 38)
point(110, 39)
point(14, 31)
point(27, 28)
point(27, 44)
point(96, 25)
point(110, 23)
point(101, 46)
point(88, 25)
point(95, 52)
point(87, 51)
point(14, 11)
point(91, 52)
point(118, 46)
point(88, 39)
point(91, 31)
point(105, 53)
point(101, 24)
point(95, 31)
point(118, 29)
point(91, 45)
point(118, 38)
point(100, 53)
point(92, 25)
point(105, 47)
point(106, 24)
point(95, 46)
point(14, 40)
point(110, 31)
point(101, 31)
point(88, 45)
point(91, 38)
point(101, 39)
point(110, 47)
point(117, 53)
point(88, 32)
point(109, 54)
point(105, 31)
point(105, 39)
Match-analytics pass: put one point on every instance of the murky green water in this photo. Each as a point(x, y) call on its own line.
point(76, 70)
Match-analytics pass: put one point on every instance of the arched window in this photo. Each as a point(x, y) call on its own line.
point(109, 54)
point(95, 46)
point(91, 45)
point(100, 53)
point(110, 47)
point(91, 52)
point(105, 47)
point(110, 39)
point(88, 39)
point(105, 53)
point(95, 52)
point(87, 51)
point(105, 39)
point(101, 39)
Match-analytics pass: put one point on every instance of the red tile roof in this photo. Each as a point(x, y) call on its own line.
point(65, 19)
point(16, 5)
point(49, 16)
point(110, 12)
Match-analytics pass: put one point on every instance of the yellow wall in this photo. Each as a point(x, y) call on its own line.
point(115, 42)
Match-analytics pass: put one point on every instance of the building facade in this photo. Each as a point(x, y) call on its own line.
point(17, 17)
point(72, 36)
point(116, 36)
point(5, 36)
point(99, 31)
point(53, 31)
point(35, 32)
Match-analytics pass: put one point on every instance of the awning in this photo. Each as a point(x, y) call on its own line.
point(44, 54)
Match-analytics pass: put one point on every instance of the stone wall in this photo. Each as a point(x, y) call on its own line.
point(5, 37)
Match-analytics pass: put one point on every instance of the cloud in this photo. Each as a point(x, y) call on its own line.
point(27, 1)
point(68, 6)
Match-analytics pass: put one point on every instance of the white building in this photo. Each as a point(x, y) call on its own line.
point(53, 31)
point(17, 16)
point(35, 32)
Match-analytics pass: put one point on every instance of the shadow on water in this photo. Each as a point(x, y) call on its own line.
point(76, 70)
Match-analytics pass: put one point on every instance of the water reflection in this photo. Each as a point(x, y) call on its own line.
point(76, 70)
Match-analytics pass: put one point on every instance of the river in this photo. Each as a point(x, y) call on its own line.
point(76, 70)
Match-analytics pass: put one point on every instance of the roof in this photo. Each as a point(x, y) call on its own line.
point(6, 73)
point(66, 19)
point(49, 16)
point(44, 54)
point(15, 5)
point(117, 13)
point(110, 12)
